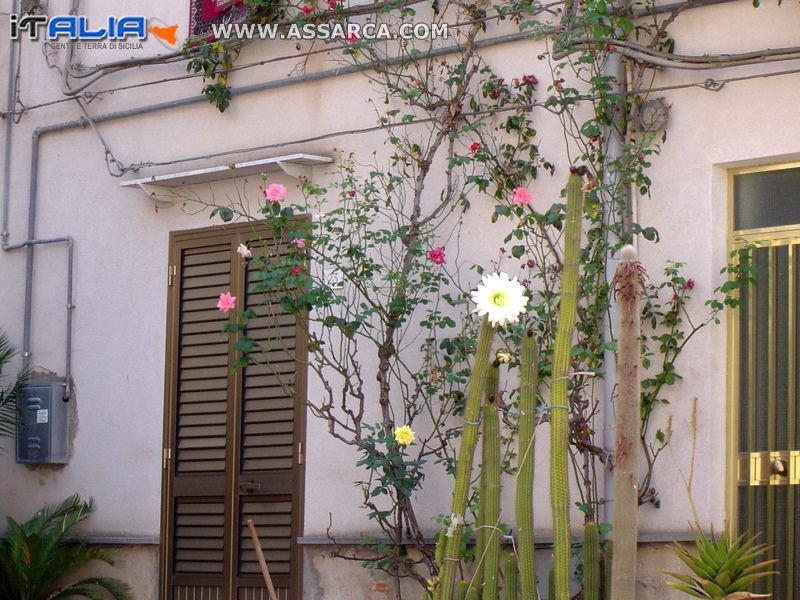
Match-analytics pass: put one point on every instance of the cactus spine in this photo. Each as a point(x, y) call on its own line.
point(529, 385)
point(628, 286)
point(591, 561)
point(469, 439)
point(510, 578)
point(559, 399)
point(491, 489)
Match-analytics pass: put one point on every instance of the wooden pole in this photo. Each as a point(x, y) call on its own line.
point(261, 560)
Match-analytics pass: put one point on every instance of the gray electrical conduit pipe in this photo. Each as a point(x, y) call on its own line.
point(32, 242)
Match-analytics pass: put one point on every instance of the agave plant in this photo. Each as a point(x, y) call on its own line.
point(8, 395)
point(37, 557)
point(722, 569)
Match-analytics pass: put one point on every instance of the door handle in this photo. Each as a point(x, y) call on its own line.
point(769, 468)
point(779, 467)
point(249, 486)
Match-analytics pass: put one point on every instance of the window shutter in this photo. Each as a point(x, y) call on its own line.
point(233, 436)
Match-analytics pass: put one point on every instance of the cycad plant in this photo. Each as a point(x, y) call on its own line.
point(8, 395)
point(722, 569)
point(36, 557)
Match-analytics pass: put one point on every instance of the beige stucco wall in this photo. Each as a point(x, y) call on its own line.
point(121, 253)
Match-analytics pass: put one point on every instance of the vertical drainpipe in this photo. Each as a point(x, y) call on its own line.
point(614, 67)
point(29, 250)
point(31, 242)
point(10, 106)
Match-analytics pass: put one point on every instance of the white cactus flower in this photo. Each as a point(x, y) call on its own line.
point(455, 521)
point(501, 298)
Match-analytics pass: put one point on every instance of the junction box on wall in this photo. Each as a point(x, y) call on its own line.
point(43, 426)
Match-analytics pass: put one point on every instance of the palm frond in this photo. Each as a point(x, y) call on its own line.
point(9, 410)
point(38, 554)
point(94, 588)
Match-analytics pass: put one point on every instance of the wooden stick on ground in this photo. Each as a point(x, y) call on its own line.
point(261, 560)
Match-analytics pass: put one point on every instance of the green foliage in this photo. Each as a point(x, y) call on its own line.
point(667, 327)
point(215, 61)
point(37, 555)
point(9, 411)
point(720, 566)
point(391, 471)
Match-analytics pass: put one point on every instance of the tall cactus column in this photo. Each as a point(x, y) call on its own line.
point(466, 453)
point(491, 471)
point(489, 495)
point(500, 300)
point(529, 385)
point(628, 287)
point(559, 399)
point(591, 561)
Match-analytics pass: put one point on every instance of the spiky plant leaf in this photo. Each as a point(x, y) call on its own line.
point(721, 566)
point(9, 411)
point(38, 554)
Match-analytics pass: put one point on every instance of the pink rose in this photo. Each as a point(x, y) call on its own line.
point(306, 9)
point(475, 147)
point(297, 270)
point(522, 196)
point(275, 192)
point(299, 243)
point(226, 302)
point(437, 255)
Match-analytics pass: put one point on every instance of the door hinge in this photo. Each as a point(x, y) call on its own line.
point(171, 273)
point(300, 457)
point(166, 457)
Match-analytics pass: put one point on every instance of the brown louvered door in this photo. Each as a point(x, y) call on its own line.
point(233, 438)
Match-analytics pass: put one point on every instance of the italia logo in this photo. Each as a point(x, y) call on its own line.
point(78, 28)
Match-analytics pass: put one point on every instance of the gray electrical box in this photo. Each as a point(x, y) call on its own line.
point(42, 432)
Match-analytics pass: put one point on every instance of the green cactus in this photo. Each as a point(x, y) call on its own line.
point(591, 561)
point(466, 453)
point(628, 287)
point(529, 386)
point(559, 398)
point(551, 583)
point(483, 531)
point(608, 559)
point(461, 590)
point(510, 578)
point(491, 472)
point(473, 594)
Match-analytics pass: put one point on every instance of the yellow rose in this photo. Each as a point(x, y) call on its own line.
point(404, 435)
